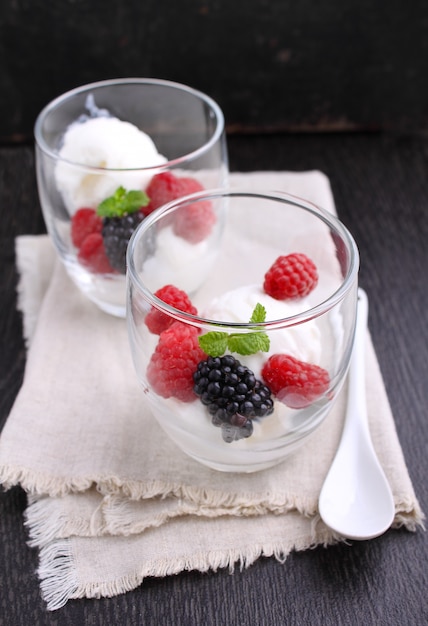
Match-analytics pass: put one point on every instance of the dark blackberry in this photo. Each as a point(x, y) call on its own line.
point(240, 427)
point(116, 232)
point(232, 395)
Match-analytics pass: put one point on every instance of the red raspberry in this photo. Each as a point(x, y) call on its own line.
point(157, 321)
point(163, 188)
point(175, 359)
point(92, 255)
point(83, 223)
point(291, 276)
point(195, 221)
point(295, 383)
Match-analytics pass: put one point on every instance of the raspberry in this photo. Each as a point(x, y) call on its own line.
point(92, 255)
point(163, 188)
point(116, 232)
point(172, 364)
point(291, 276)
point(157, 321)
point(83, 223)
point(195, 221)
point(295, 383)
point(232, 395)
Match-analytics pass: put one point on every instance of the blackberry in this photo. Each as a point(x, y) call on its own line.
point(116, 232)
point(232, 394)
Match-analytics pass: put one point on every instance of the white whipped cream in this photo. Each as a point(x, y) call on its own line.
point(110, 144)
point(177, 262)
point(302, 341)
point(192, 428)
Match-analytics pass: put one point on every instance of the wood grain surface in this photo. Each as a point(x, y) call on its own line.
point(271, 64)
point(380, 185)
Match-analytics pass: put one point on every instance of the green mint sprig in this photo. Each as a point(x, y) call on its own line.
point(216, 343)
point(122, 203)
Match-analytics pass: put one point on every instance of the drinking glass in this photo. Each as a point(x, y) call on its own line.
point(109, 153)
point(241, 342)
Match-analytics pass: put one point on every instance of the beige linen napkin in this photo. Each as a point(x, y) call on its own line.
point(111, 499)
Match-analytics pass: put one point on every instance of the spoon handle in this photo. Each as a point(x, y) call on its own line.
point(356, 382)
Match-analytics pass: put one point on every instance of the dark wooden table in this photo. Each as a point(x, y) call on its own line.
point(380, 185)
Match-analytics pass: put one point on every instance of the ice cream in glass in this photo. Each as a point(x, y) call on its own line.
point(242, 347)
point(110, 153)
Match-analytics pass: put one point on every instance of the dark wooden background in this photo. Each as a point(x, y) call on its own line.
point(380, 186)
point(272, 65)
point(335, 85)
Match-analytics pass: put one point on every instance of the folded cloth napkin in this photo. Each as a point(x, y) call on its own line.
point(111, 498)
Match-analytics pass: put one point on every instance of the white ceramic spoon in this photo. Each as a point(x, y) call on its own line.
point(356, 499)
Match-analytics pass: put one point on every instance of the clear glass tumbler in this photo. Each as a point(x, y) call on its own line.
point(241, 342)
point(107, 155)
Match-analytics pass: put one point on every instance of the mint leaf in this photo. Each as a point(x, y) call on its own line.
point(259, 314)
point(122, 202)
point(216, 343)
point(248, 343)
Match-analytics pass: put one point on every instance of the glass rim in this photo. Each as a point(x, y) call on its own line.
point(330, 219)
point(190, 156)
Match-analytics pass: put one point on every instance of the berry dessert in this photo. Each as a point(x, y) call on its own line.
point(245, 384)
point(117, 216)
point(120, 192)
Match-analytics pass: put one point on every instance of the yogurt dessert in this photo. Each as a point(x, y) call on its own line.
point(113, 190)
point(238, 389)
point(243, 369)
point(107, 155)
point(111, 152)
